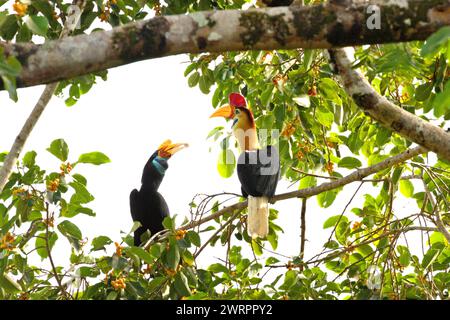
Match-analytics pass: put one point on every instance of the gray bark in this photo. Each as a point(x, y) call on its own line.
point(329, 25)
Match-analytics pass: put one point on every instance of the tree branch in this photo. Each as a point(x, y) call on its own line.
point(357, 175)
point(303, 229)
point(385, 112)
point(21, 139)
point(329, 25)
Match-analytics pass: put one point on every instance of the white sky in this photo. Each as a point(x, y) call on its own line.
point(127, 117)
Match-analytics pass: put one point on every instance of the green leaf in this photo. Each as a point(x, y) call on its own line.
point(168, 223)
point(325, 118)
point(189, 69)
point(441, 103)
point(329, 89)
point(429, 258)
point(349, 163)
point(435, 42)
point(342, 231)
point(81, 195)
point(331, 221)
point(99, 243)
point(307, 182)
point(406, 188)
point(217, 96)
point(290, 279)
point(188, 258)
point(9, 284)
point(365, 250)
point(59, 149)
point(112, 295)
point(396, 175)
point(256, 248)
point(142, 254)
point(9, 26)
point(218, 268)
point(181, 285)
point(41, 246)
point(10, 67)
point(37, 24)
point(204, 84)
point(156, 283)
point(271, 260)
point(194, 238)
point(307, 58)
point(173, 256)
point(91, 272)
point(79, 178)
point(226, 163)
point(69, 229)
point(326, 199)
point(29, 159)
point(96, 158)
point(266, 96)
point(10, 85)
point(404, 259)
point(193, 79)
point(74, 91)
point(382, 136)
point(423, 91)
point(70, 101)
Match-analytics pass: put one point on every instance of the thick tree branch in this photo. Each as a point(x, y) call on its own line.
point(388, 114)
point(329, 25)
point(44, 99)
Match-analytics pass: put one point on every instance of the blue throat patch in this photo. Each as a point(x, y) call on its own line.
point(158, 166)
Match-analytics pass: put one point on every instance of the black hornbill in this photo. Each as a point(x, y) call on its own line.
point(258, 169)
point(148, 205)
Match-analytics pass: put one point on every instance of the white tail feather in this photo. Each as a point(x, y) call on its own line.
point(258, 217)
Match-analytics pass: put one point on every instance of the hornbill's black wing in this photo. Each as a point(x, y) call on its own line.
point(259, 171)
point(137, 215)
point(135, 205)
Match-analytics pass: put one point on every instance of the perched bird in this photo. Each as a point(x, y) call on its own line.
point(258, 169)
point(148, 205)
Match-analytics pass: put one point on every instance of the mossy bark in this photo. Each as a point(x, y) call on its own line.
point(330, 25)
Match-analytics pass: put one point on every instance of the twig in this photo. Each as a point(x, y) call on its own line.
point(216, 233)
point(438, 219)
point(408, 177)
point(343, 250)
point(303, 229)
point(48, 249)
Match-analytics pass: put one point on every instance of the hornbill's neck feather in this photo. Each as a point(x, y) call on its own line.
point(245, 132)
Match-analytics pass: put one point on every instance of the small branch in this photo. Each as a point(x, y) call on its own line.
point(408, 177)
point(384, 235)
point(357, 175)
point(438, 219)
point(303, 229)
point(48, 249)
point(216, 233)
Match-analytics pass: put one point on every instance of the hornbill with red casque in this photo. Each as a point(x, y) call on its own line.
point(258, 169)
point(148, 205)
